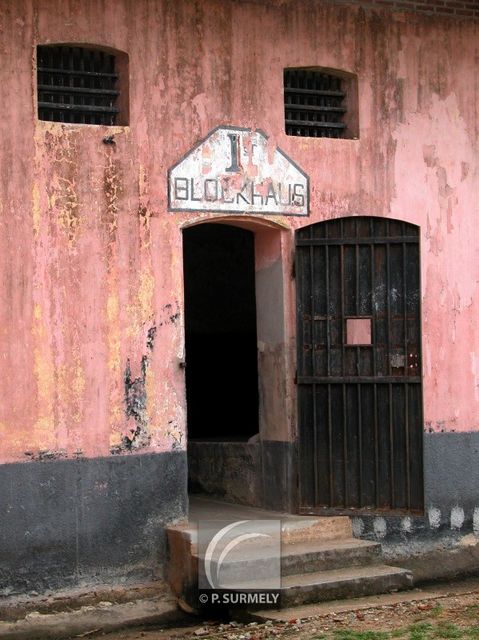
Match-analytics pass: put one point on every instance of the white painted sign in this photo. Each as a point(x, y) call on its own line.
point(237, 170)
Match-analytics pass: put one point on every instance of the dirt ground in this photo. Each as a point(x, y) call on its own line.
point(451, 616)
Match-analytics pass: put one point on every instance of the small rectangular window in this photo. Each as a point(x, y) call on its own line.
point(317, 103)
point(77, 85)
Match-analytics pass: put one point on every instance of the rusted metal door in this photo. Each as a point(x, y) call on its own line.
point(359, 366)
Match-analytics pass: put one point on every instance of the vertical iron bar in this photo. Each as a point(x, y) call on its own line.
point(391, 426)
point(376, 445)
point(373, 314)
point(328, 330)
point(360, 446)
point(343, 368)
point(343, 321)
point(81, 79)
point(406, 420)
point(330, 450)
point(391, 447)
point(315, 445)
point(375, 387)
point(358, 349)
point(404, 308)
point(358, 372)
point(388, 310)
point(345, 447)
point(406, 372)
point(311, 316)
point(313, 372)
point(328, 350)
point(71, 66)
point(418, 320)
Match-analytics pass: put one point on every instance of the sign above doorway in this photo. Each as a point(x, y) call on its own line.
point(235, 170)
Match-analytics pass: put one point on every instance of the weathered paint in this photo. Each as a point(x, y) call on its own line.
point(91, 307)
point(237, 171)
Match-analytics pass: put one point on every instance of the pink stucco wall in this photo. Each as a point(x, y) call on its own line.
point(90, 259)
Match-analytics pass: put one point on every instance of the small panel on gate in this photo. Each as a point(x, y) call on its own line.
point(358, 331)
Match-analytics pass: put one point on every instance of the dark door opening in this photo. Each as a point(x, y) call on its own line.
point(220, 332)
point(359, 366)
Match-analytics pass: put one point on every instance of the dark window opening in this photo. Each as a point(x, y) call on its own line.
point(320, 104)
point(80, 85)
point(220, 327)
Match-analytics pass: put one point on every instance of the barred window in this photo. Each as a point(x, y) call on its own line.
point(79, 85)
point(319, 104)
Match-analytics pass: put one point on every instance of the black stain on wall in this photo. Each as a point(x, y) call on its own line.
point(47, 454)
point(135, 407)
point(150, 338)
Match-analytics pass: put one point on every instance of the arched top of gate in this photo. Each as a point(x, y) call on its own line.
point(359, 227)
point(251, 223)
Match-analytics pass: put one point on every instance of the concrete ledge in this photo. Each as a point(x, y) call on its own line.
point(104, 617)
point(18, 607)
point(441, 558)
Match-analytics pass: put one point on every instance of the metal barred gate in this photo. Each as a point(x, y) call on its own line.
point(359, 366)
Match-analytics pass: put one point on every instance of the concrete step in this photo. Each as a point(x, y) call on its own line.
point(307, 529)
point(325, 556)
point(303, 557)
point(349, 582)
point(352, 582)
point(294, 530)
point(320, 559)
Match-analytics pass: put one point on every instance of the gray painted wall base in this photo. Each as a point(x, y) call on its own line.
point(66, 523)
point(451, 474)
point(451, 495)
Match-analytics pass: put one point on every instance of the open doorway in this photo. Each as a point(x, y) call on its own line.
point(238, 396)
point(220, 333)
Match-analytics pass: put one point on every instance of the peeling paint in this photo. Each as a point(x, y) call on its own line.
point(434, 515)
point(475, 521)
point(135, 407)
point(457, 517)
point(407, 524)
point(112, 186)
point(380, 528)
point(36, 209)
point(358, 527)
